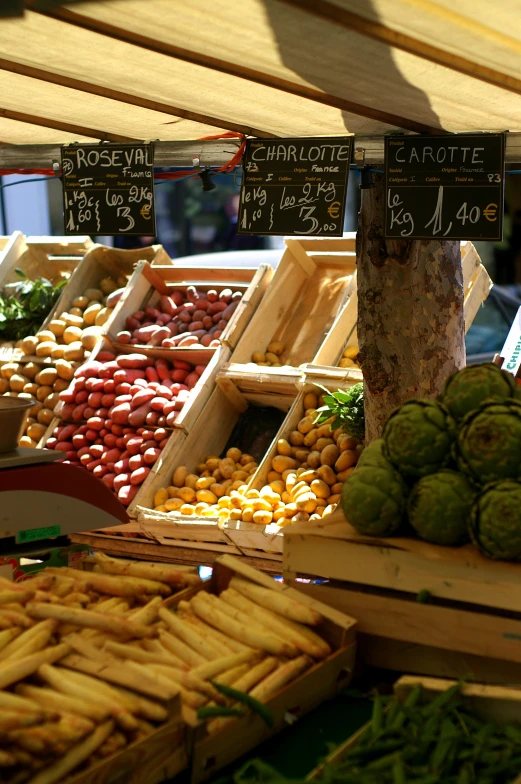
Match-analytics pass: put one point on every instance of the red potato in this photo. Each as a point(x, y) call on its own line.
point(167, 305)
point(168, 343)
point(192, 380)
point(85, 459)
point(67, 431)
point(110, 456)
point(202, 304)
point(212, 296)
point(70, 455)
point(164, 391)
point(163, 319)
point(189, 341)
point(144, 334)
point(123, 389)
point(122, 399)
point(196, 326)
point(159, 434)
point(216, 307)
point(124, 337)
point(90, 369)
point(151, 374)
point(198, 314)
point(132, 323)
point(171, 418)
point(158, 403)
point(126, 494)
point(151, 312)
point(100, 471)
point(120, 443)
point(94, 399)
point(221, 325)
point(185, 316)
point(128, 376)
point(162, 369)
point(172, 326)
point(207, 322)
point(151, 455)
point(108, 369)
point(121, 466)
point(138, 476)
point(177, 297)
point(163, 443)
point(137, 416)
point(95, 385)
point(139, 315)
point(102, 413)
point(91, 435)
point(162, 333)
point(172, 405)
point(106, 356)
point(142, 397)
point(136, 461)
point(110, 440)
point(79, 411)
point(120, 413)
point(63, 446)
point(109, 386)
point(78, 441)
point(191, 293)
point(199, 369)
point(134, 342)
point(225, 294)
point(179, 375)
point(107, 400)
point(215, 343)
point(162, 420)
point(92, 465)
point(134, 445)
point(97, 450)
point(149, 444)
point(152, 418)
point(120, 480)
point(108, 479)
point(96, 423)
point(230, 310)
point(103, 432)
point(84, 450)
point(134, 362)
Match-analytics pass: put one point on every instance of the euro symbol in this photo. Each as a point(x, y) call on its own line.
point(334, 210)
point(490, 212)
point(145, 211)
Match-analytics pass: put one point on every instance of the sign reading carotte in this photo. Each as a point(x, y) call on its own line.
point(444, 187)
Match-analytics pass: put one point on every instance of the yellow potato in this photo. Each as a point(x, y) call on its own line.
point(44, 349)
point(45, 415)
point(173, 504)
point(36, 431)
point(58, 352)
point(245, 459)
point(103, 316)
point(224, 502)
point(329, 455)
point(322, 443)
point(89, 315)
point(310, 400)
point(72, 321)
point(52, 400)
point(45, 334)
point(336, 488)
point(262, 517)
point(313, 459)
point(47, 376)
point(173, 492)
point(308, 476)
point(320, 488)
point(351, 352)
point(272, 358)
point(89, 337)
point(81, 303)
point(276, 347)
point(30, 369)
point(217, 489)
point(274, 476)
point(108, 285)
point(324, 431)
point(35, 410)
point(301, 455)
point(326, 473)
point(345, 442)
point(204, 482)
point(343, 475)
point(160, 496)
point(43, 392)
point(240, 475)
point(333, 499)
point(227, 467)
point(9, 369)
point(207, 496)
point(346, 363)
point(250, 467)
point(57, 327)
point(247, 514)
point(311, 438)
point(258, 357)
point(94, 295)
point(234, 454)
point(347, 458)
point(75, 312)
point(187, 509)
point(60, 384)
point(27, 442)
point(296, 438)
point(29, 345)
point(305, 425)
point(283, 447)
point(4, 386)
point(191, 480)
point(306, 502)
point(282, 463)
point(179, 476)
point(73, 352)
point(160, 508)
point(278, 486)
point(212, 463)
point(188, 494)
point(17, 382)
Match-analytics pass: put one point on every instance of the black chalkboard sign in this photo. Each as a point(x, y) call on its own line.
point(109, 189)
point(444, 187)
point(295, 186)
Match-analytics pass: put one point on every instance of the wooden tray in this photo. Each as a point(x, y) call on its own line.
point(491, 703)
point(321, 682)
point(147, 285)
point(475, 604)
point(303, 305)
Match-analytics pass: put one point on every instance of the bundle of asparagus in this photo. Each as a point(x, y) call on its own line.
point(96, 657)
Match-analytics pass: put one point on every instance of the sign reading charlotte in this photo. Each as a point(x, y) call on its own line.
point(444, 187)
point(109, 189)
point(295, 186)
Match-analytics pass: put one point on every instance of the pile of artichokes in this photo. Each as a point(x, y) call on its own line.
point(448, 471)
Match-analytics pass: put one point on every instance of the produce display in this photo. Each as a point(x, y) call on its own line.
point(41, 383)
point(67, 701)
point(24, 306)
point(115, 413)
point(429, 742)
point(349, 357)
point(182, 319)
point(89, 660)
point(304, 480)
point(73, 335)
point(451, 468)
point(272, 357)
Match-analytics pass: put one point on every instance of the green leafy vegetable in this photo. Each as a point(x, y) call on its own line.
point(348, 409)
point(26, 306)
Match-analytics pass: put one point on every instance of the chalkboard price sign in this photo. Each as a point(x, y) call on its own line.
point(444, 187)
point(295, 186)
point(109, 189)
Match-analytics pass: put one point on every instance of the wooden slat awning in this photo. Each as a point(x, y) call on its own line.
point(183, 69)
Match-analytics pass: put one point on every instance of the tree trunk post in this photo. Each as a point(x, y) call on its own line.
point(411, 330)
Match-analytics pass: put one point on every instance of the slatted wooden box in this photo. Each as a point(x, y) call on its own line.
point(322, 681)
point(303, 306)
point(148, 284)
point(471, 623)
point(490, 703)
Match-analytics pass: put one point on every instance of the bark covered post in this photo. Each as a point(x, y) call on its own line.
point(411, 330)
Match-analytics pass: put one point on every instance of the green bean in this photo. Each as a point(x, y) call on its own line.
point(209, 711)
point(240, 696)
point(398, 771)
point(376, 721)
point(441, 700)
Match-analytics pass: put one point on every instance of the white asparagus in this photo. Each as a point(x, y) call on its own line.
point(8, 596)
point(37, 643)
point(148, 709)
point(163, 573)
point(207, 607)
point(187, 614)
point(78, 754)
point(210, 670)
point(188, 635)
point(56, 700)
point(7, 636)
point(97, 684)
point(245, 683)
point(12, 671)
point(277, 601)
point(302, 636)
point(148, 613)
point(11, 720)
point(104, 583)
point(180, 650)
point(15, 702)
point(280, 677)
point(139, 655)
point(89, 619)
point(22, 639)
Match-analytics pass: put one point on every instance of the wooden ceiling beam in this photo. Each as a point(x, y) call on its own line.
point(386, 35)
point(57, 125)
point(233, 69)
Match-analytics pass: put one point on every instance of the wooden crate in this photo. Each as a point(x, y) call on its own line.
point(475, 604)
point(490, 703)
point(302, 305)
point(147, 285)
point(476, 287)
point(321, 682)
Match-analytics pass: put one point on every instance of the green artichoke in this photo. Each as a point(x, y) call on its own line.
point(439, 507)
point(418, 437)
point(488, 446)
point(467, 389)
point(373, 455)
point(373, 500)
point(495, 520)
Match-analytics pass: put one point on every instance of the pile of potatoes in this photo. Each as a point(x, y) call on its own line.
point(271, 357)
point(304, 481)
point(349, 357)
point(40, 383)
point(199, 493)
point(73, 334)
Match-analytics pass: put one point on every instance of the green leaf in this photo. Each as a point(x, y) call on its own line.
point(21, 273)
